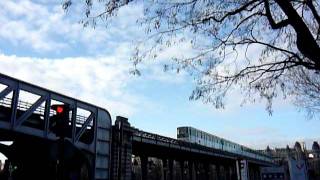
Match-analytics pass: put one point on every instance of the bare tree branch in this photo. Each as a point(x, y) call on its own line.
point(258, 46)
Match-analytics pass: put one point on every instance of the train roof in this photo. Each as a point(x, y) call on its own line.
point(209, 134)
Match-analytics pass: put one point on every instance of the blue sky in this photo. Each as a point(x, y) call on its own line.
point(40, 43)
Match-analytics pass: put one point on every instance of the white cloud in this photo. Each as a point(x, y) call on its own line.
point(43, 27)
point(101, 81)
point(25, 22)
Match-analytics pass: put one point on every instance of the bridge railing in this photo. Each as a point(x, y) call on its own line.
point(24, 106)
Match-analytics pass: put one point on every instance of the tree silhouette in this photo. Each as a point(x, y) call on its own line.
point(255, 45)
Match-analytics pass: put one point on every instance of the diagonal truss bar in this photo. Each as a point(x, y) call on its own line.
point(5, 92)
point(47, 115)
point(85, 125)
point(31, 110)
point(14, 104)
point(74, 121)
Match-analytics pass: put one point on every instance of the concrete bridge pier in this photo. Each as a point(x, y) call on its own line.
point(230, 171)
point(227, 172)
point(197, 170)
point(121, 150)
point(144, 167)
point(207, 173)
point(220, 174)
point(243, 170)
point(216, 171)
point(182, 169)
point(191, 170)
point(171, 170)
point(234, 171)
point(164, 168)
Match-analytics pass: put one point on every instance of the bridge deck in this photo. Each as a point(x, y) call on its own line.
point(191, 148)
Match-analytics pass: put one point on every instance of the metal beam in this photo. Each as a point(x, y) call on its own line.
point(84, 126)
point(14, 105)
point(30, 111)
point(5, 92)
point(74, 122)
point(47, 115)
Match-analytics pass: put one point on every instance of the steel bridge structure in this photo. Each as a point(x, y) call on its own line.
point(24, 121)
point(92, 145)
point(190, 157)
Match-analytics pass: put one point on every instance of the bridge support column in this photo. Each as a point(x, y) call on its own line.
point(244, 170)
point(218, 172)
point(121, 150)
point(233, 171)
point(144, 167)
point(197, 170)
point(255, 174)
point(228, 169)
point(181, 163)
point(226, 172)
point(207, 172)
point(251, 172)
point(190, 166)
point(165, 168)
point(238, 170)
point(171, 170)
point(258, 173)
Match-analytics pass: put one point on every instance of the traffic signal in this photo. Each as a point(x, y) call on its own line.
point(60, 120)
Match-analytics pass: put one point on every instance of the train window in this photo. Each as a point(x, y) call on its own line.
point(182, 132)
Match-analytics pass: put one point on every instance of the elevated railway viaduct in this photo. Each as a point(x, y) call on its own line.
point(92, 148)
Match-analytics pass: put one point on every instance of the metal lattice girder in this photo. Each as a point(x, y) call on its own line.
point(85, 125)
point(31, 110)
point(5, 92)
point(16, 123)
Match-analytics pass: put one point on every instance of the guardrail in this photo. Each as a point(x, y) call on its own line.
point(24, 106)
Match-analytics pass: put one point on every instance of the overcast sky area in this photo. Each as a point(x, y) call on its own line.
point(41, 44)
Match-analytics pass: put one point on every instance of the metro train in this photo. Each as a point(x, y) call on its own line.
point(194, 135)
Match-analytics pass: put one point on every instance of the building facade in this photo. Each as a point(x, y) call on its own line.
point(297, 162)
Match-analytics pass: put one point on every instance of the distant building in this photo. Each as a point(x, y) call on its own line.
point(297, 161)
